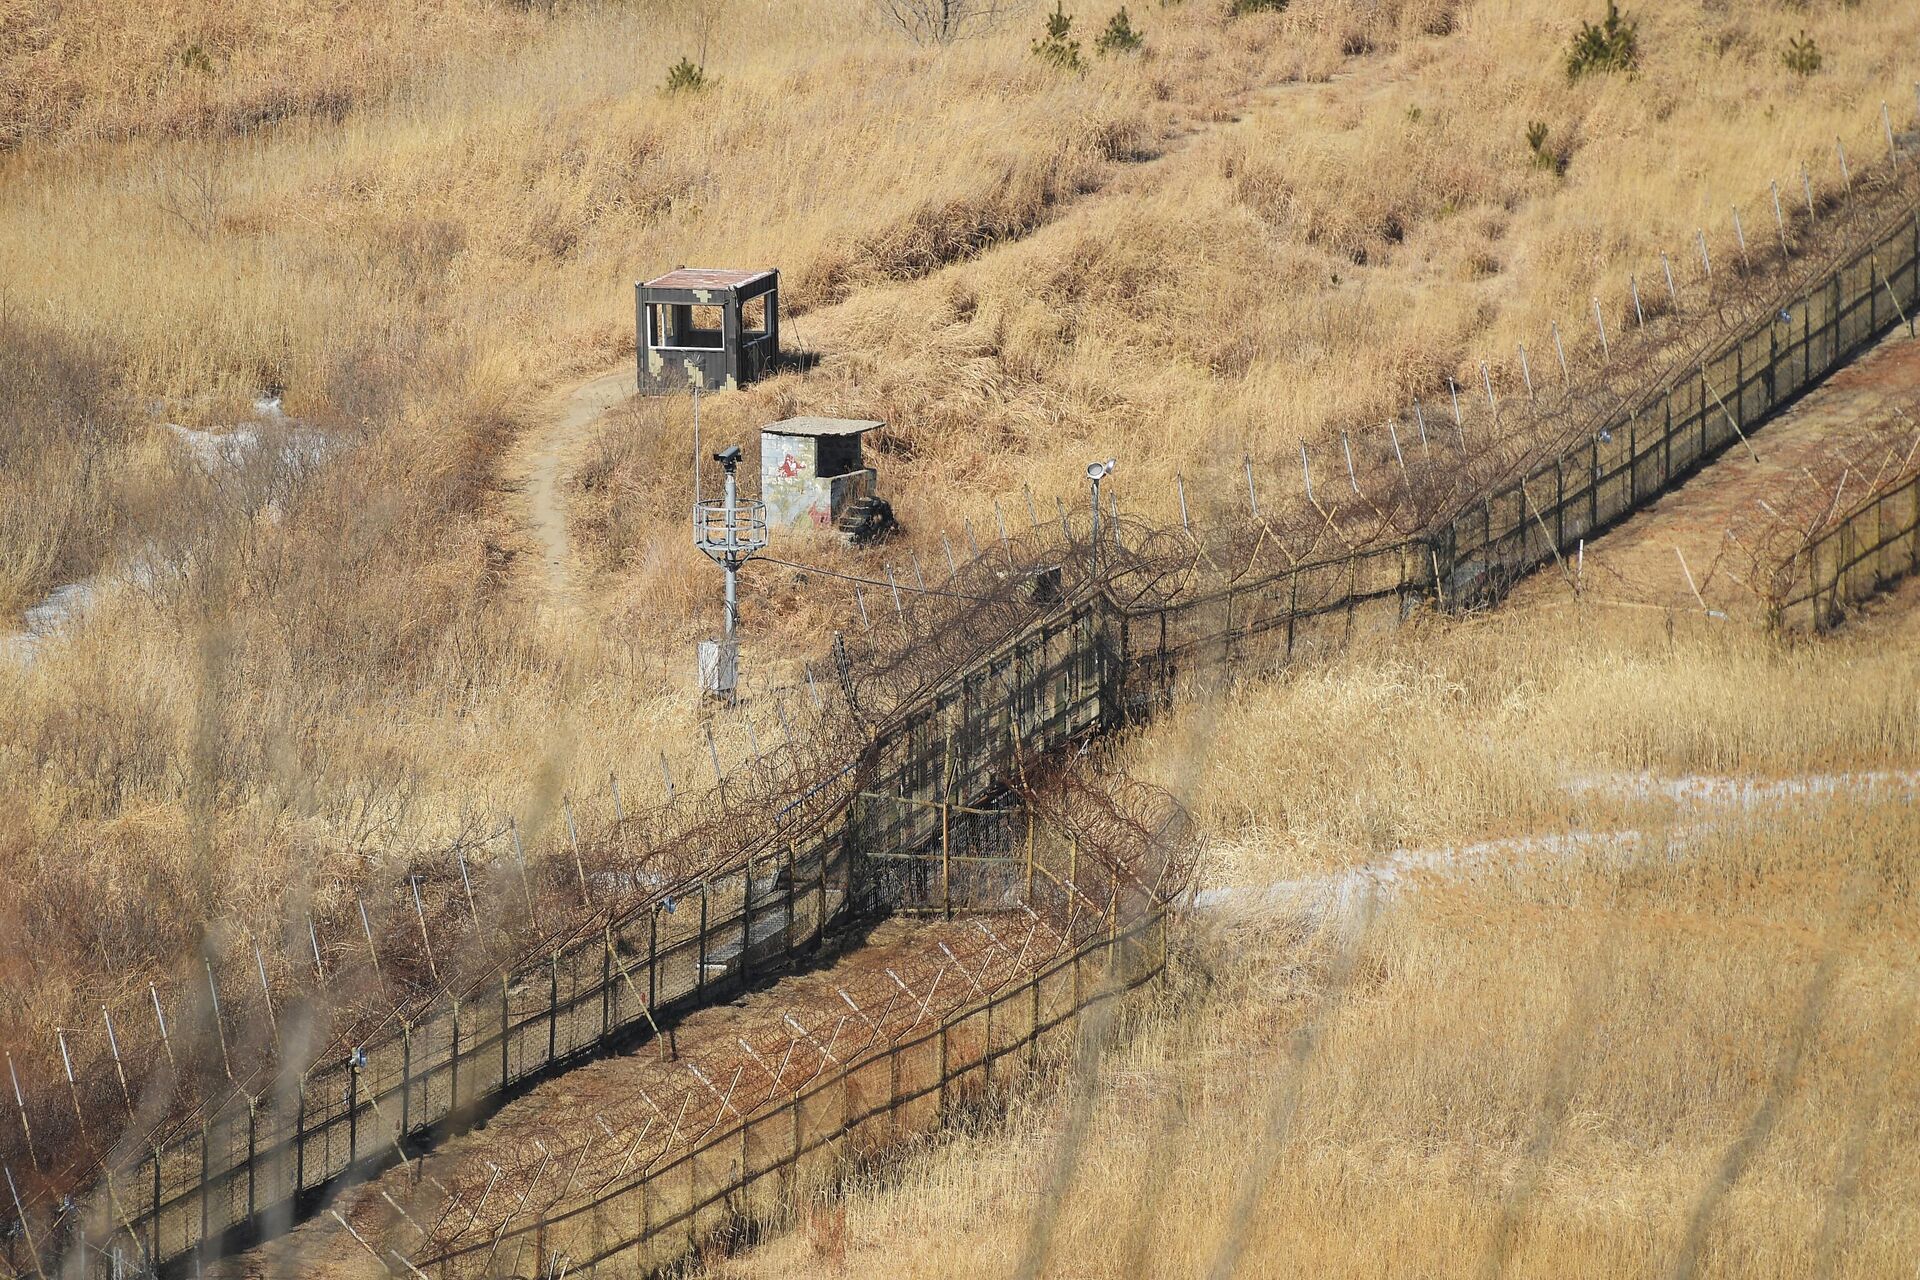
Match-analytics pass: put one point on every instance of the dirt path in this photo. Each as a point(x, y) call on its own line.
point(539, 467)
point(1636, 564)
point(542, 459)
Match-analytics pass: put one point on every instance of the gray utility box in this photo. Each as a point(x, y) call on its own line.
point(811, 472)
point(706, 328)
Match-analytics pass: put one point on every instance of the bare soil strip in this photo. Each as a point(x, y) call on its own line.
point(1646, 562)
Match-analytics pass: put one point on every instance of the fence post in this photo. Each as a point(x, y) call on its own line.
point(204, 1206)
point(353, 1115)
point(895, 1122)
point(553, 1004)
point(299, 1148)
point(153, 1226)
point(653, 957)
point(506, 1027)
point(941, 1110)
point(1773, 362)
point(453, 1065)
point(606, 990)
point(793, 872)
point(252, 1153)
point(700, 972)
point(1833, 314)
point(1033, 1027)
point(1666, 446)
point(986, 1052)
point(406, 1081)
point(1228, 634)
point(1293, 607)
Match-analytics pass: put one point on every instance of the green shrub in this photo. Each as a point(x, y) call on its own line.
point(1119, 37)
point(1235, 8)
point(684, 77)
point(1801, 55)
point(1057, 46)
point(194, 58)
point(1613, 45)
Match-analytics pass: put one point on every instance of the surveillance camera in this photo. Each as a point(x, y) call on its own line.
point(729, 456)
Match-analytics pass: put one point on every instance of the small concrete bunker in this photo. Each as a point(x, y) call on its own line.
point(706, 327)
point(812, 475)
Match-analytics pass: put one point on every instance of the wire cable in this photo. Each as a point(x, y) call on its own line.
point(878, 582)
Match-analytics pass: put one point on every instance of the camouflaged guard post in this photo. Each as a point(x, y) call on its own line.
point(690, 326)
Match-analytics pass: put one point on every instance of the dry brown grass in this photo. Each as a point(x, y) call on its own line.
point(415, 219)
point(1578, 1053)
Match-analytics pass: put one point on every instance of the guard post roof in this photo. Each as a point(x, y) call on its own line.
point(816, 427)
point(697, 281)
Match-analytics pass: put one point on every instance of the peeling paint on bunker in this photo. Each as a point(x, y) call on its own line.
point(811, 471)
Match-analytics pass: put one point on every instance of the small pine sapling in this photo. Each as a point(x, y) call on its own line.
point(684, 77)
point(1802, 54)
point(1119, 36)
point(1613, 45)
point(1058, 47)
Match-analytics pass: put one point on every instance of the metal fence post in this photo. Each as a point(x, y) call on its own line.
point(941, 1109)
point(353, 1115)
point(299, 1149)
point(1033, 1027)
point(406, 1080)
point(793, 873)
point(700, 973)
point(252, 1154)
point(206, 1199)
point(553, 1005)
point(506, 1026)
point(606, 990)
point(453, 1064)
point(653, 958)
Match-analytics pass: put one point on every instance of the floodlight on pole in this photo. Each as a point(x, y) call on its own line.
point(1096, 472)
point(730, 532)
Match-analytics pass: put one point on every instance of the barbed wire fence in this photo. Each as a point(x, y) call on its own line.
point(1054, 628)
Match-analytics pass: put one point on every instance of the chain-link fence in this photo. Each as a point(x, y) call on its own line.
point(1872, 545)
point(784, 1153)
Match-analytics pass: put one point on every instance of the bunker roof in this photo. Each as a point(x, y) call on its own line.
point(707, 278)
point(822, 427)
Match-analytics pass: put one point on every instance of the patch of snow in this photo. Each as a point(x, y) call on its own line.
point(1339, 895)
point(216, 449)
point(62, 606)
point(293, 445)
point(1390, 872)
point(1747, 793)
